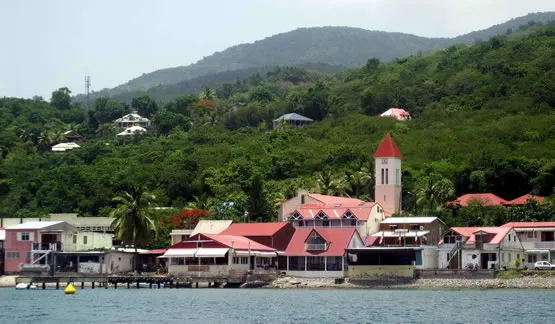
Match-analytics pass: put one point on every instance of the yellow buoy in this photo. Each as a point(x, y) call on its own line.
point(70, 290)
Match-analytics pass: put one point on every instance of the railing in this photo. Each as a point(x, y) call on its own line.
point(545, 245)
point(316, 247)
point(47, 246)
point(454, 251)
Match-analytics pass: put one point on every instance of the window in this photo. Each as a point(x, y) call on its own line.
point(326, 223)
point(415, 227)
point(240, 260)
point(301, 223)
point(199, 244)
point(509, 237)
point(12, 255)
point(532, 258)
point(517, 256)
point(514, 237)
point(383, 177)
point(321, 215)
point(85, 239)
point(296, 215)
point(353, 222)
point(348, 214)
point(530, 234)
point(24, 236)
point(386, 176)
point(397, 177)
point(74, 239)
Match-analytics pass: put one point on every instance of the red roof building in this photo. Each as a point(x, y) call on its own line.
point(319, 252)
point(523, 200)
point(486, 199)
point(388, 148)
point(275, 235)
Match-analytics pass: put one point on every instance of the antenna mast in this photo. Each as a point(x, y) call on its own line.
point(88, 87)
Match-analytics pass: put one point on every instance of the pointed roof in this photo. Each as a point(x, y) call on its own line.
point(388, 148)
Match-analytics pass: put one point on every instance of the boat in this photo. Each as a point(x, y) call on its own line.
point(22, 286)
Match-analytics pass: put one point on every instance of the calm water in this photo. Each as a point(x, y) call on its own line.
point(276, 306)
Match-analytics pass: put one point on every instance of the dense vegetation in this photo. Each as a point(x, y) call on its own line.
point(342, 46)
point(484, 121)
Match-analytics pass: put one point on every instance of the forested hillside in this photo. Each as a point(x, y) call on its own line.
point(484, 120)
point(342, 46)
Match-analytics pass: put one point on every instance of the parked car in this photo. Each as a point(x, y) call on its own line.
point(544, 265)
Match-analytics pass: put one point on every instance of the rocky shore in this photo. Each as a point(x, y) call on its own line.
point(520, 283)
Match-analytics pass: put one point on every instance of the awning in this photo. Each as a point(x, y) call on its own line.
point(256, 253)
point(211, 253)
point(183, 253)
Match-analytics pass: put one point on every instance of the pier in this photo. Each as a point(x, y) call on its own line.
point(118, 282)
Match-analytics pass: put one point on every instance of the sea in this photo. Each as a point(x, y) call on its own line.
point(276, 306)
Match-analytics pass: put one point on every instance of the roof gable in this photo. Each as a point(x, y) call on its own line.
point(486, 199)
point(388, 148)
point(231, 241)
point(338, 240)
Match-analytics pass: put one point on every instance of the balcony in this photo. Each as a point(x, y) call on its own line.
point(544, 245)
point(47, 246)
point(316, 247)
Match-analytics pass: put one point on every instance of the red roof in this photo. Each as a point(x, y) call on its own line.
point(155, 251)
point(468, 232)
point(524, 199)
point(486, 199)
point(254, 229)
point(231, 241)
point(333, 200)
point(338, 240)
point(361, 211)
point(529, 224)
point(388, 148)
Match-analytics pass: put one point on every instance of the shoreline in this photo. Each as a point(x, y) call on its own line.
point(326, 283)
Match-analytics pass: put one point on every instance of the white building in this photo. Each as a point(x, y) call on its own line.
point(132, 119)
point(538, 241)
point(480, 248)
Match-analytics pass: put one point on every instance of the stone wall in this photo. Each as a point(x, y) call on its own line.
point(454, 274)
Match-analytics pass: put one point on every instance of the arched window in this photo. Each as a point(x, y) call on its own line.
point(348, 215)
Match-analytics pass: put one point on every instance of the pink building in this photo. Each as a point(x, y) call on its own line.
point(32, 243)
point(397, 113)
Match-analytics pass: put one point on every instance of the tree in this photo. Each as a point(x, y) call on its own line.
point(330, 184)
point(257, 205)
point(132, 218)
point(433, 191)
point(61, 99)
point(144, 105)
point(357, 182)
point(107, 110)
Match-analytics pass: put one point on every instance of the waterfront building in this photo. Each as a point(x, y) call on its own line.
point(33, 246)
point(538, 240)
point(218, 256)
point(422, 234)
point(480, 248)
point(319, 252)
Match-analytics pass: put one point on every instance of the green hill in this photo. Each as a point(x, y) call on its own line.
point(484, 119)
point(343, 46)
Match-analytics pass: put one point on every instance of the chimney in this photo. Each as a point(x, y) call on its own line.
point(302, 199)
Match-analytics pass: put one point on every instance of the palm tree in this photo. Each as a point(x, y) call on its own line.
point(207, 94)
point(358, 181)
point(132, 218)
point(434, 190)
point(44, 140)
point(330, 183)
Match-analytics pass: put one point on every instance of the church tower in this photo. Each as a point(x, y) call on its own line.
point(388, 175)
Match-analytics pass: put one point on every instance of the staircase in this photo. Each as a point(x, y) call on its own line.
point(454, 255)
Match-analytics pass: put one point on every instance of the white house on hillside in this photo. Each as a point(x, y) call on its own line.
point(132, 119)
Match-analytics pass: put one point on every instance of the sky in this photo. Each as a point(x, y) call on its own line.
point(45, 45)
